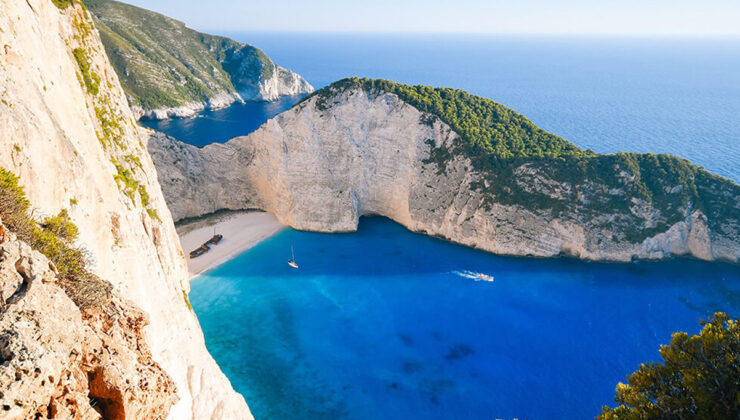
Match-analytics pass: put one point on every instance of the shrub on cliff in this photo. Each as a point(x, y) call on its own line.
point(698, 379)
point(54, 237)
point(62, 4)
point(13, 202)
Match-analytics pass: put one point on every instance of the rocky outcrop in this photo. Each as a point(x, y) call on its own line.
point(169, 70)
point(67, 132)
point(276, 82)
point(61, 362)
point(188, 109)
point(322, 165)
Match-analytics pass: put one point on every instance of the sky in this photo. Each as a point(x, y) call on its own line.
point(567, 17)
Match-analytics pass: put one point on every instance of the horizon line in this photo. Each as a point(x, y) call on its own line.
point(456, 33)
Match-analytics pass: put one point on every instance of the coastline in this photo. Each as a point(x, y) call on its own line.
point(240, 230)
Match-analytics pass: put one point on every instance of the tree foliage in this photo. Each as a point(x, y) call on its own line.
point(698, 379)
point(487, 127)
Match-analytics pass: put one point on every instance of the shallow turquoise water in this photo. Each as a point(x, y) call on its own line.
point(384, 323)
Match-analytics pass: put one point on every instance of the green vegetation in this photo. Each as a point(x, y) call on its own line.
point(126, 181)
point(62, 4)
point(111, 133)
point(698, 379)
point(130, 186)
point(187, 300)
point(90, 79)
point(509, 153)
point(162, 63)
point(54, 237)
point(111, 130)
point(486, 127)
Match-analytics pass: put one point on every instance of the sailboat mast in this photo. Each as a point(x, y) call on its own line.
point(292, 255)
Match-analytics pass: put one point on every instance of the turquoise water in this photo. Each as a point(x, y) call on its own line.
point(663, 95)
point(388, 324)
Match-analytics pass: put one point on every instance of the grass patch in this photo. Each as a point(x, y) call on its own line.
point(90, 79)
point(130, 186)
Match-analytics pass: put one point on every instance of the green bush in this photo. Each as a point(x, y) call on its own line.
point(54, 237)
point(61, 226)
point(699, 378)
point(62, 4)
point(13, 202)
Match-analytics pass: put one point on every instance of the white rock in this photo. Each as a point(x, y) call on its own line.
point(48, 137)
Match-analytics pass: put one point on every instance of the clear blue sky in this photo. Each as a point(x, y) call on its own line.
point(613, 17)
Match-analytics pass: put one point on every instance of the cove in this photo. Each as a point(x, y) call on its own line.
point(221, 125)
point(385, 323)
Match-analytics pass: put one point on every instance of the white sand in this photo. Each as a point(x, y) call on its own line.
point(241, 231)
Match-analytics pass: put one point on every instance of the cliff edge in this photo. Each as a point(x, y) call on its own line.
point(68, 134)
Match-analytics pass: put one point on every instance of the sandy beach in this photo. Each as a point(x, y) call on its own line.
point(240, 230)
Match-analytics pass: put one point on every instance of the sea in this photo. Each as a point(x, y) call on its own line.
point(651, 95)
point(388, 324)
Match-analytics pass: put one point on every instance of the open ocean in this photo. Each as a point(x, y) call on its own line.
point(387, 324)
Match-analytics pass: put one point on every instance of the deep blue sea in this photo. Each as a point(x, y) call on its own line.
point(387, 324)
point(661, 95)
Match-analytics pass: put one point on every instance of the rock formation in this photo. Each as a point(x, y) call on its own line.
point(328, 161)
point(62, 362)
point(66, 130)
point(168, 70)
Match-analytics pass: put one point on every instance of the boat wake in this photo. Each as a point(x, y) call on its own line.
point(473, 275)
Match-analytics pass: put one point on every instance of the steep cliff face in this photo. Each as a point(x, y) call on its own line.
point(59, 361)
point(169, 70)
point(67, 132)
point(329, 160)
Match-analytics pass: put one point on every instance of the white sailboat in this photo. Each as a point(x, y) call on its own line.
point(292, 262)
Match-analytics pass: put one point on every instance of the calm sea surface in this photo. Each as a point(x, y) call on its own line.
point(387, 324)
point(675, 95)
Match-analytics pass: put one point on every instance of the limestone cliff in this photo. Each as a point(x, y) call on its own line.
point(66, 130)
point(169, 70)
point(62, 362)
point(353, 152)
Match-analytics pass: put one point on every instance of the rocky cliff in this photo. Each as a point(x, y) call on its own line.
point(60, 361)
point(351, 151)
point(66, 130)
point(169, 70)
